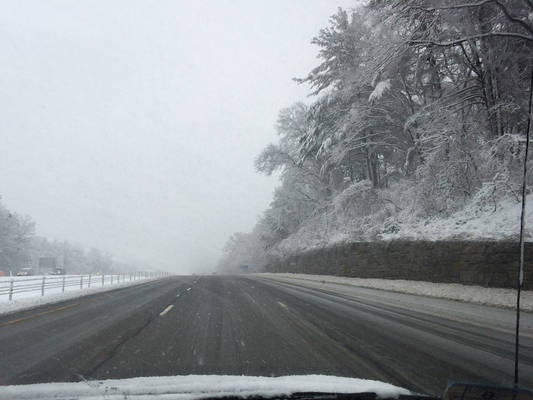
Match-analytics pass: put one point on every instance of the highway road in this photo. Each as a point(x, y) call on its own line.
point(257, 325)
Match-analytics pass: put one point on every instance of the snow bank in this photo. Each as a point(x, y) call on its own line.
point(495, 297)
point(31, 285)
point(199, 386)
point(472, 223)
point(477, 220)
point(34, 298)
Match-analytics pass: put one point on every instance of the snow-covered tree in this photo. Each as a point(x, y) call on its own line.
point(16, 232)
point(419, 107)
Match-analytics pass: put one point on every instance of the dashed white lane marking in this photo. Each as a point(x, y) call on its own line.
point(170, 307)
point(283, 305)
point(188, 289)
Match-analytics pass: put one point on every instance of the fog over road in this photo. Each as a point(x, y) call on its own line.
point(253, 325)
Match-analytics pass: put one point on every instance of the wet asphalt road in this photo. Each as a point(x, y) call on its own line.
point(254, 325)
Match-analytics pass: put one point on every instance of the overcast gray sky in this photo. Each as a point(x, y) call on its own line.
point(132, 126)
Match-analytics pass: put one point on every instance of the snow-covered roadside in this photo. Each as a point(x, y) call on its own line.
point(24, 303)
point(31, 286)
point(479, 219)
point(200, 386)
point(495, 297)
point(473, 222)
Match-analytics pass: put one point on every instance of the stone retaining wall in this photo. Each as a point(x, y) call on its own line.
point(484, 263)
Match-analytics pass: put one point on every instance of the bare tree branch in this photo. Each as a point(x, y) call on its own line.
point(473, 37)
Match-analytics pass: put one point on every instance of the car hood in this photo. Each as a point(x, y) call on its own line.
point(199, 386)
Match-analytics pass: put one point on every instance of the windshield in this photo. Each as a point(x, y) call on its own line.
point(323, 189)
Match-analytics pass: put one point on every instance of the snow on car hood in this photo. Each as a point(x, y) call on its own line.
point(198, 386)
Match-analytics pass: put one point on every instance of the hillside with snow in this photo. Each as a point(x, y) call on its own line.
point(476, 221)
point(413, 133)
point(481, 218)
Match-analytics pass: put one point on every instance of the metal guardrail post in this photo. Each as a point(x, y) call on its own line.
point(42, 286)
point(63, 285)
point(111, 278)
point(81, 282)
point(11, 289)
point(89, 280)
point(103, 279)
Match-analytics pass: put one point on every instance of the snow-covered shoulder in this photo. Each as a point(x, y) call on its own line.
point(200, 386)
point(494, 297)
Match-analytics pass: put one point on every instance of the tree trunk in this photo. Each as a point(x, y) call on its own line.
point(372, 166)
point(489, 81)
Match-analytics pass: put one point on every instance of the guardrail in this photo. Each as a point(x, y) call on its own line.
point(60, 283)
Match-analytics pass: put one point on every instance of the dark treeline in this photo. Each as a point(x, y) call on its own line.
point(21, 248)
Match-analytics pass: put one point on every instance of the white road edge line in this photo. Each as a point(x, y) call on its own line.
point(283, 305)
point(170, 307)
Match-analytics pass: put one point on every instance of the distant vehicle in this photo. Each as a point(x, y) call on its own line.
point(47, 264)
point(58, 271)
point(25, 272)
